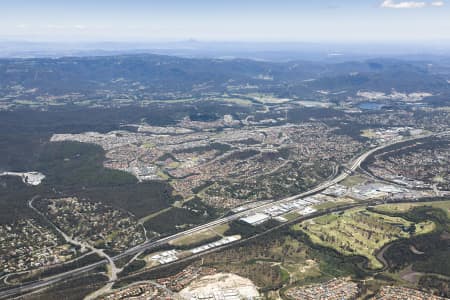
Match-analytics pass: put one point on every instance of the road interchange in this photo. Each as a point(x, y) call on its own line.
point(347, 171)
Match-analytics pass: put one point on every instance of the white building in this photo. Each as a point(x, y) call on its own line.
point(255, 219)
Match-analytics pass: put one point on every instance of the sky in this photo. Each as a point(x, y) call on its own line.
point(226, 20)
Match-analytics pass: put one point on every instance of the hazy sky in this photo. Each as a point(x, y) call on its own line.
point(225, 20)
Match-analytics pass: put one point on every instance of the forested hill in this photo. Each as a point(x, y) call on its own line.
point(168, 74)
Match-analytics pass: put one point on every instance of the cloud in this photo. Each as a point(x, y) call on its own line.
point(438, 3)
point(405, 4)
point(53, 26)
point(410, 4)
point(80, 27)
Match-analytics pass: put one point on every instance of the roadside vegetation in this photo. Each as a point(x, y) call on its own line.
point(404, 207)
point(53, 270)
point(423, 253)
point(200, 238)
point(70, 290)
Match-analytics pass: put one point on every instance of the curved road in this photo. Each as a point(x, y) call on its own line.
point(152, 244)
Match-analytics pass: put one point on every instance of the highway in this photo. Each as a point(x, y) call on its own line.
point(153, 244)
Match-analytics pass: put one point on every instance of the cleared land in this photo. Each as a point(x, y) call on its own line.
point(221, 284)
point(291, 216)
point(332, 204)
point(354, 180)
point(195, 238)
point(360, 232)
point(296, 263)
point(202, 237)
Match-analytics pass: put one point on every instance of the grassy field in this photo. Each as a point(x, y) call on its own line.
point(238, 101)
point(403, 207)
point(331, 204)
point(205, 235)
point(309, 103)
point(354, 180)
point(291, 215)
point(194, 238)
point(369, 133)
point(221, 229)
point(360, 232)
point(267, 98)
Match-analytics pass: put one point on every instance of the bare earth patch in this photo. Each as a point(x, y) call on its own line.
point(221, 285)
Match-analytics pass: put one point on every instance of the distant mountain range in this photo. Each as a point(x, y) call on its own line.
point(151, 73)
point(268, 51)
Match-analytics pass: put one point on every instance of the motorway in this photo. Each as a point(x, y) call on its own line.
point(153, 244)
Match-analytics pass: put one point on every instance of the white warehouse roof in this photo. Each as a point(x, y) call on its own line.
point(256, 218)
